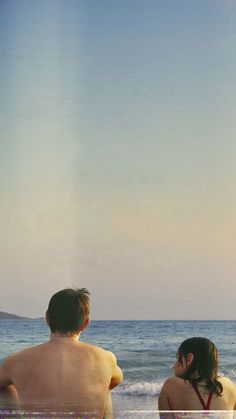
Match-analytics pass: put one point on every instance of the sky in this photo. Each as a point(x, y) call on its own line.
point(117, 156)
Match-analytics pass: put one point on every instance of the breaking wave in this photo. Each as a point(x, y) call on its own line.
point(139, 389)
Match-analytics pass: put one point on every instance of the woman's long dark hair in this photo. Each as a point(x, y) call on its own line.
point(204, 365)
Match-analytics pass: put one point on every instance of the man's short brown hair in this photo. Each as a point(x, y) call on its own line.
point(68, 310)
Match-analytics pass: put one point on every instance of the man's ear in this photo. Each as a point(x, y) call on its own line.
point(83, 327)
point(189, 358)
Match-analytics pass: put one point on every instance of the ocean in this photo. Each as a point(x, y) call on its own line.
point(145, 351)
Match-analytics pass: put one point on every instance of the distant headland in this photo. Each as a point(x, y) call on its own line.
point(9, 316)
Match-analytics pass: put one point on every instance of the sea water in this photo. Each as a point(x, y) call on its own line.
point(145, 351)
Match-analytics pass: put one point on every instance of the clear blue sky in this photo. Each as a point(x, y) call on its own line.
point(117, 156)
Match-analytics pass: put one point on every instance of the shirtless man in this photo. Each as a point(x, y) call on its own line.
point(64, 374)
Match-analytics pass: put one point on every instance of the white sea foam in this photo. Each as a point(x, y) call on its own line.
point(139, 389)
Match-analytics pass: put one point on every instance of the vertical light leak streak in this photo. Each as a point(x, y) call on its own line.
point(39, 154)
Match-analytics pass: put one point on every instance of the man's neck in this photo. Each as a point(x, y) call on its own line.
point(70, 337)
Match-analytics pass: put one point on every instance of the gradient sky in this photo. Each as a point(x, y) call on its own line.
point(117, 156)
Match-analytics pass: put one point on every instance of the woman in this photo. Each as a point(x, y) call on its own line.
point(197, 385)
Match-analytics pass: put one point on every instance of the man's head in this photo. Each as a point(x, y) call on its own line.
point(68, 311)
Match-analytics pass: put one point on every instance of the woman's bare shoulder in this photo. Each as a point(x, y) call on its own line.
point(175, 383)
point(226, 382)
point(223, 378)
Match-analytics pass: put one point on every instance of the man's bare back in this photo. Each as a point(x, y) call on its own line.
point(63, 374)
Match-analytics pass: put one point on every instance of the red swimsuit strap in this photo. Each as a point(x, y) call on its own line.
point(206, 406)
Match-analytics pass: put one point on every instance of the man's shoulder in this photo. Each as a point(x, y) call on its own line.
point(99, 351)
point(15, 356)
point(11, 360)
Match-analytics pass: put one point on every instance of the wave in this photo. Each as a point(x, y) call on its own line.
point(139, 389)
point(142, 388)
